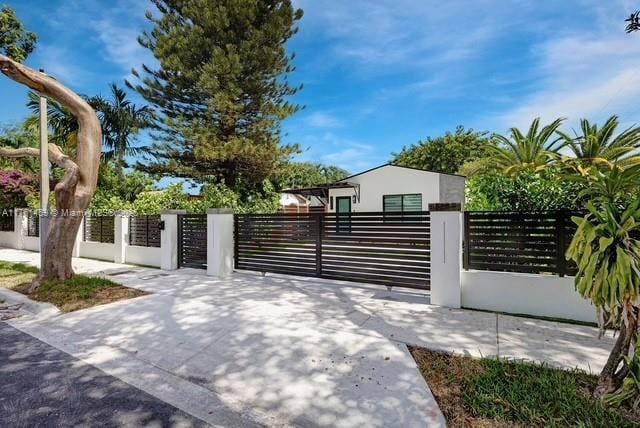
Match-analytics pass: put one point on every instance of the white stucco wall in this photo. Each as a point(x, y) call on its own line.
point(30, 243)
point(520, 293)
point(391, 180)
point(97, 250)
point(8, 239)
point(145, 256)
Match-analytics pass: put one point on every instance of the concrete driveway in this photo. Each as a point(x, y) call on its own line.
point(43, 386)
point(280, 350)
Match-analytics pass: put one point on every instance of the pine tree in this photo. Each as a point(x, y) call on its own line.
point(15, 41)
point(221, 89)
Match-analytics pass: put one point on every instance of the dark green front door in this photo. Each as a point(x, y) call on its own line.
point(343, 209)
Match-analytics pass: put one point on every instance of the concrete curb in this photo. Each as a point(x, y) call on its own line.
point(40, 309)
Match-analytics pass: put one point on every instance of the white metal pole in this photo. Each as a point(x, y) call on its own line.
point(44, 176)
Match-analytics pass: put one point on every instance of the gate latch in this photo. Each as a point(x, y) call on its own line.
point(161, 224)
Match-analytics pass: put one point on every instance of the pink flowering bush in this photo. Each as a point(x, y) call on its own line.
point(14, 188)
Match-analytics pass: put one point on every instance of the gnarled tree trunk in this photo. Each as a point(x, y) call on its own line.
point(74, 192)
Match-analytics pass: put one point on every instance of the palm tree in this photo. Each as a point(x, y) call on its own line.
point(615, 185)
point(121, 121)
point(596, 146)
point(533, 151)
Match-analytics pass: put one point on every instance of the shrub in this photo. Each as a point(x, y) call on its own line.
point(15, 187)
point(526, 191)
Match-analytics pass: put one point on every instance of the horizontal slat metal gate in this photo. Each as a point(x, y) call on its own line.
point(381, 248)
point(192, 241)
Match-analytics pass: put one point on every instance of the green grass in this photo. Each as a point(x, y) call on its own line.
point(13, 275)
point(536, 395)
point(80, 292)
point(490, 392)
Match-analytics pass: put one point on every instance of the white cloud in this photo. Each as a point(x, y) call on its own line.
point(582, 76)
point(328, 148)
point(61, 64)
point(323, 120)
point(115, 27)
point(388, 36)
point(121, 45)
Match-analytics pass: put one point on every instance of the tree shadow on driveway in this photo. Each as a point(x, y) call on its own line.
point(42, 386)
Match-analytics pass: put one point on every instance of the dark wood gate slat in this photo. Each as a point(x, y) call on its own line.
point(144, 231)
point(99, 229)
point(192, 241)
point(381, 248)
point(528, 242)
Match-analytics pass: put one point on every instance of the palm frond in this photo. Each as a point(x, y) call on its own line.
point(532, 151)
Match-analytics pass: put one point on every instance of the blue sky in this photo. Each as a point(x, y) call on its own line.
point(382, 74)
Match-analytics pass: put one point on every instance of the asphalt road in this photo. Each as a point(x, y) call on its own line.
point(41, 386)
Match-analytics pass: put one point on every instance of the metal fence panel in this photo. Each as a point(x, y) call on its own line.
point(527, 242)
point(33, 226)
point(383, 248)
point(7, 223)
point(99, 229)
point(144, 231)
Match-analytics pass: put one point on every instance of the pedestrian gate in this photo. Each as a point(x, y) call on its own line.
point(390, 248)
point(192, 241)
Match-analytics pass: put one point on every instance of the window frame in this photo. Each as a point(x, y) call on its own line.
point(402, 196)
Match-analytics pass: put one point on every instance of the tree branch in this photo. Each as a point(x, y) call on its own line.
point(19, 153)
point(89, 129)
point(65, 189)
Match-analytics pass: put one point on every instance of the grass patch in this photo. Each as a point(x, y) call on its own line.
point(490, 392)
point(13, 275)
point(80, 292)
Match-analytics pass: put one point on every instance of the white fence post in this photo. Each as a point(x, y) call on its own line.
point(20, 227)
point(121, 230)
point(446, 258)
point(169, 239)
point(220, 242)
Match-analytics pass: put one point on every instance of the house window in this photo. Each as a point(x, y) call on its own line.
point(402, 203)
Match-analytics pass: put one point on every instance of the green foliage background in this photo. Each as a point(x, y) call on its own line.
point(526, 191)
point(447, 153)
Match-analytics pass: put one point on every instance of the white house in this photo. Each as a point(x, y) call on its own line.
point(386, 188)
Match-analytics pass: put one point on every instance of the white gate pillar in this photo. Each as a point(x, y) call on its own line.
point(220, 242)
point(121, 230)
point(20, 226)
point(446, 258)
point(169, 239)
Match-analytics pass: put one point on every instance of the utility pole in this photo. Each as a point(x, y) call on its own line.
point(44, 176)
